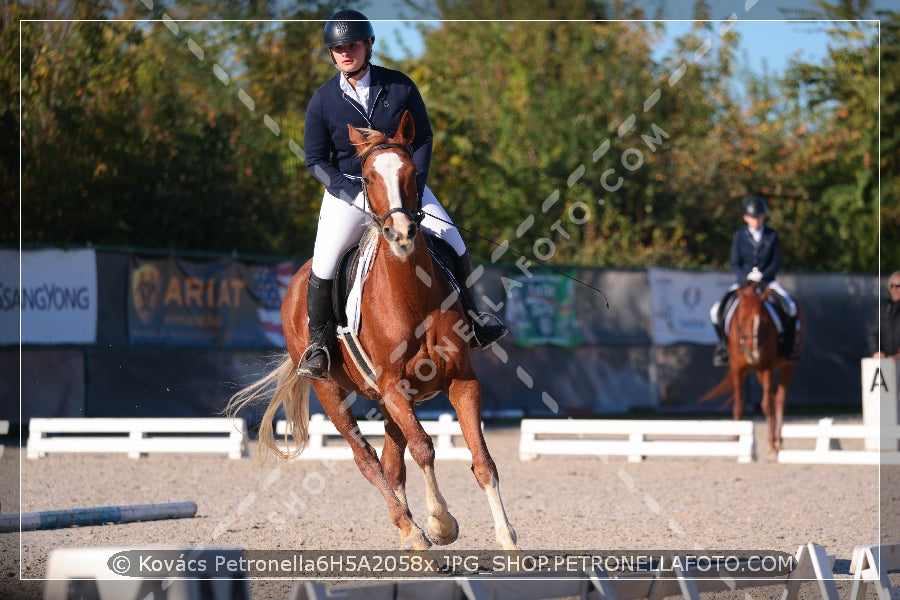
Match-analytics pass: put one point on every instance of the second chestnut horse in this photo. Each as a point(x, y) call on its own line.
point(753, 346)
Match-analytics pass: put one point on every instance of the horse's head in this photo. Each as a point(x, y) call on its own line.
point(752, 327)
point(389, 183)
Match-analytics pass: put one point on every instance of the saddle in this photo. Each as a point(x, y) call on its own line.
point(347, 275)
point(442, 254)
point(774, 304)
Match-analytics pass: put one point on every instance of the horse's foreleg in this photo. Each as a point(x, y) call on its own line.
point(411, 535)
point(466, 399)
point(765, 380)
point(442, 527)
point(737, 386)
point(392, 458)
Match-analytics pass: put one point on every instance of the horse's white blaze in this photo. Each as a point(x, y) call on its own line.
point(388, 165)
point(755, 351)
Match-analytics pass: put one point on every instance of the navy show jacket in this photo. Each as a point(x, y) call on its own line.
point(746, 254)
point(331, 157)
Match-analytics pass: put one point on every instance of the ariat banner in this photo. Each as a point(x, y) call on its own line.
point(540, 309)
point(57, 298)
point(220, 303)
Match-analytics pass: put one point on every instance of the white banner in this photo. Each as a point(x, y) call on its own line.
point(681, 301)
point(58, 297)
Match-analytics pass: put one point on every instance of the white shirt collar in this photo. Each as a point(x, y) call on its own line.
point(360, 93)
point(756, 234)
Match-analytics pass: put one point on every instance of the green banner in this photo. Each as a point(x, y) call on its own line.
point(540, 309)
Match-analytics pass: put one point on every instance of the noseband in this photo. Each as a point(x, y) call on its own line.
point(416, 217)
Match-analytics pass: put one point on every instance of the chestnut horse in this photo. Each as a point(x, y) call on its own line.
point(753, 346)
point(414, 330)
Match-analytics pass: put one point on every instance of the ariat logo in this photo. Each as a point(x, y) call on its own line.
point(146, 287)
point(342, 28)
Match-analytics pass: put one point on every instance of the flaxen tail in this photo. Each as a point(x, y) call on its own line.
point(290, 391)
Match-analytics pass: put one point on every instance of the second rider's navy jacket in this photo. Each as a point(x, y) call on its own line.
point(331, 157)
point(746, 254)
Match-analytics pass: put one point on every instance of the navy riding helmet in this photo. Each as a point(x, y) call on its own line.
point(347, 26)
point(755, 206)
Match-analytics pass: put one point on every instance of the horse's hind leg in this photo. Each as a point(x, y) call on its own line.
point(465, 395)
point(400, 420)
point(411, 535)
point(784, 381)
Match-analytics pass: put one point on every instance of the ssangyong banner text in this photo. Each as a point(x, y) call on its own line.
point(57, 298)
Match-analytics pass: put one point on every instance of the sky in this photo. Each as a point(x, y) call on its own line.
point(765, 46)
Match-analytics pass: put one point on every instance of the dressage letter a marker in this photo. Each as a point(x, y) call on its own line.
point(878, 381)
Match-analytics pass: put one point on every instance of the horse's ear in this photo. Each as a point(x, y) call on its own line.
point(407, 130)
point(356, 136)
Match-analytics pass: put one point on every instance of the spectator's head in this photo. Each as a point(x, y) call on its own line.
point(894, 286)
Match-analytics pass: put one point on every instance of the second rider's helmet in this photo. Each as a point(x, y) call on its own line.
point(755, 206)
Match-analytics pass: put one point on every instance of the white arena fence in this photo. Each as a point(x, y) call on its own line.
point(137, 436)
point(637, 439)
point(324, 442)
point(633, 439)
point(4, 429)
point(828, 448)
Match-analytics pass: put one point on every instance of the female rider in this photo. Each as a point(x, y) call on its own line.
point(756, 256)
point(365, 95)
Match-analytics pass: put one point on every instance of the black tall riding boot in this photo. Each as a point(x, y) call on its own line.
point(484, 332)
point(316, 360)
point(788, 336)
point(790, 350)
point(720, 354)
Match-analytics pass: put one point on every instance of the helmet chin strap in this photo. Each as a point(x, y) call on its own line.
point(357, 71)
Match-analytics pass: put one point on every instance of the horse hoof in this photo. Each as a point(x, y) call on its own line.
point(416, 541)
point(508, 543)
point(442, 533)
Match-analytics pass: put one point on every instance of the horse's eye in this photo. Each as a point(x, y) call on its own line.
point(366, 181)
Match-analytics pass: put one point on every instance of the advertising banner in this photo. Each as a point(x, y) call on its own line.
point(541, 310)
point(220, 303)
point(57, 298)
point(681, 301)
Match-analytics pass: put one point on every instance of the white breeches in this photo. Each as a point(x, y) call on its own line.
point(776, 287)
point(341, 225)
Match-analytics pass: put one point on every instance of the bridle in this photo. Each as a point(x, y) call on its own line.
point(415, 217)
